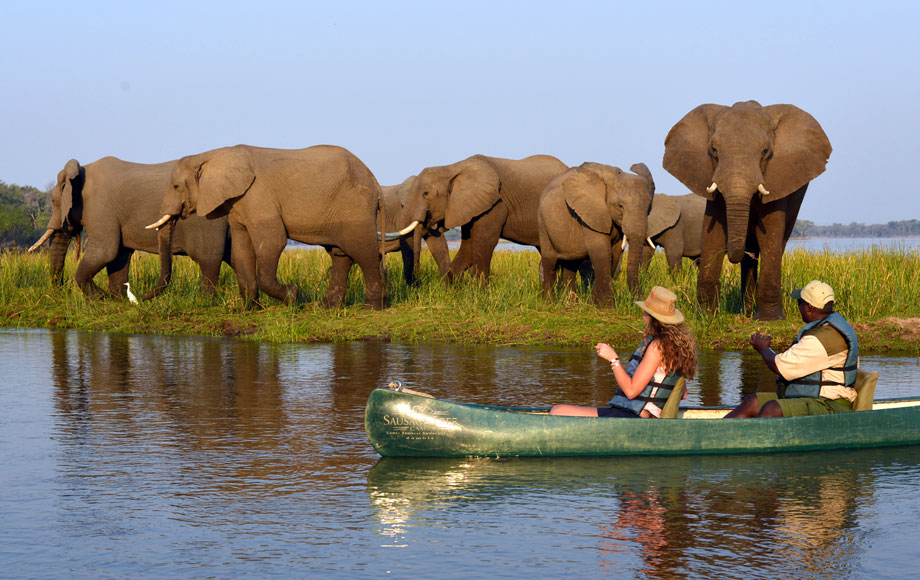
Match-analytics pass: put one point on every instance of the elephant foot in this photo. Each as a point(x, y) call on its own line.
point(769, 315)
point(291, 291)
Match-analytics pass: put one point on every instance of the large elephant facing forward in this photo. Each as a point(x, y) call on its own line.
point(488, 198)
point(676, 224)
point(113, 200)
point(320, 195)
point(752, 164)
point(591, 212)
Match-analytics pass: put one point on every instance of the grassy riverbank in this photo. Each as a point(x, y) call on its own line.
point(877, 290)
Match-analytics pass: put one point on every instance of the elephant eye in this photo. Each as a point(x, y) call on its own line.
point(424, 194)
point(176, 186)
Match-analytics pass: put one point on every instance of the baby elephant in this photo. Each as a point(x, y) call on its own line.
point(676, 224)
point(591, 212)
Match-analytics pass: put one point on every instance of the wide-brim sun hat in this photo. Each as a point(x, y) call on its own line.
point(660, 305)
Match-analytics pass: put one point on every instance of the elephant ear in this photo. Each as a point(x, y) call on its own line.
point(70, 172)
point(586, 195)
point(472, 191)
point(800, 151)
point(665, 213)
point(686, 149)
point(224, 175)
point(642, 170)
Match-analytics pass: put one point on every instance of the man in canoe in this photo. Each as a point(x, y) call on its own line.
point(667, 353)
point(818, 372)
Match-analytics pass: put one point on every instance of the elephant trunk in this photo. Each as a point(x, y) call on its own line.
point(164, 247)
point(59, 244)
point(637, 243)
point(737, 188)
point(737, 215)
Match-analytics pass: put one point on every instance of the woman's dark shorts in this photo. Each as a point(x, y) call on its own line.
point(616, 412)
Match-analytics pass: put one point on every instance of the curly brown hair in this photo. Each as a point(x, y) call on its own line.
point(677, 346)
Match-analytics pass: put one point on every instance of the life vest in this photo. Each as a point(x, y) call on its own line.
point(654, 393)
point(810, 385)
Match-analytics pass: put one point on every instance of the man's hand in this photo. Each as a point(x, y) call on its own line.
point(760, 341)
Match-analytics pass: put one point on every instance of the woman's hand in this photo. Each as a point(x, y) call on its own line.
point(606, 352)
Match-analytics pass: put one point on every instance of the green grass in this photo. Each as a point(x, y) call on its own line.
point(876, 290)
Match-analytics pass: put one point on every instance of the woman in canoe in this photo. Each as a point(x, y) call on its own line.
point(667, 353)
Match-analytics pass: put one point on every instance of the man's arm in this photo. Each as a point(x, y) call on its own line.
point(761, 344)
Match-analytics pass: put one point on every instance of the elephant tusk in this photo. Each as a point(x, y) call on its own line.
point(623, 245)
point(156, 225)
point(408, 228)
point(389, 236)
point(41, 240)
point(650, 242)
point(712, 187)
point(762, 190)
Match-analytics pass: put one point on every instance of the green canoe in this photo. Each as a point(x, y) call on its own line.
point(401, 423)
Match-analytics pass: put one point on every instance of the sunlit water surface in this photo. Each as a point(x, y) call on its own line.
point(161, 457)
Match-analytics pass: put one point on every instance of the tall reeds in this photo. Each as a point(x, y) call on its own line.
point(871, 285)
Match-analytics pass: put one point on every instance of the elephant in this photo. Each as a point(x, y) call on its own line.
point(590, 212)
point(488, 198)
point(676, 224)
point(112, 200)
point(394, 201)
point(321, 195)
point(752, 164)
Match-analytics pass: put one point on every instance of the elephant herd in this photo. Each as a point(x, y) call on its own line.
point(747, 166)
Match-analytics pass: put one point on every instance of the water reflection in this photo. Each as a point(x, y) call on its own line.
point(717, 516)
point(220, 458)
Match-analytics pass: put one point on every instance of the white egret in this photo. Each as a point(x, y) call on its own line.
point(131, 297)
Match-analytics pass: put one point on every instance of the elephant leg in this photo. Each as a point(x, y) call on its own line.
point(463, 259)
point(210, 274)
point(360, 248)
point(269, 238)
point(586, 269)
point(770, 238)
point(338, 278)
point(548, 274)
point(484, 233)
point(748, 281)
point(117, 271)
point(437, 245)
point(244, 259)
point(712, 255)
point(599, 250)
point(569, 273)
point(95, 258)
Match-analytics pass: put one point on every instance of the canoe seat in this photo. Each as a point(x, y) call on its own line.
point(865, 390)
point(673, 404)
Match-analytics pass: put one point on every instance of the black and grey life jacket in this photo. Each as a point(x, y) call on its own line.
point(655, 393)
point(836, 335)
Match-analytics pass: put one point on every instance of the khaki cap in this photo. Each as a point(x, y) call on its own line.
point(816, 293)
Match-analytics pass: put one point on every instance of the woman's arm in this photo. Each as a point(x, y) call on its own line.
point(632, 386)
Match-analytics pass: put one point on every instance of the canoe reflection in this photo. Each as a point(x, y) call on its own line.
point(746, 510)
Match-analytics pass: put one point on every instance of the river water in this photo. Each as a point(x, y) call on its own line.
point(164, 457)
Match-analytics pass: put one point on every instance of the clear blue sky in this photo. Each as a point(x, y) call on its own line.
point(406, 85)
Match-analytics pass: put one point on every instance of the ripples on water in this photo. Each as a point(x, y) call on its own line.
point(172, 457)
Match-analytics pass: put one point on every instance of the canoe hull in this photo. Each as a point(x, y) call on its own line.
point(400, 424)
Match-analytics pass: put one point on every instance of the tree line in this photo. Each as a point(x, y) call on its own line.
point(899, 229)
point(24, 214)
